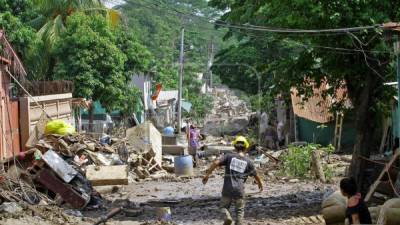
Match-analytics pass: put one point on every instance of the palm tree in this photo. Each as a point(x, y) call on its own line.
point(52, 19)
point(54, 13)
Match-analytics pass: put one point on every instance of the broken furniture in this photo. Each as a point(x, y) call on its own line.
point(144, 165)
point(174, 150)
point(47, 178)
point(385, 186)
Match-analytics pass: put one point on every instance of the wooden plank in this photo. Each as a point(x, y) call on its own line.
point(377, 181)
point(107, 175)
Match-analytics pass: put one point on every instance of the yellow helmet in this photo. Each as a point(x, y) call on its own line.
point(241, 139)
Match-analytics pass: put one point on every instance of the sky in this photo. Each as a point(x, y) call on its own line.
point(112, 3)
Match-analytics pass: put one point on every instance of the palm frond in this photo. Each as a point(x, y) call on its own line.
point(51, 31)
point(38, 22)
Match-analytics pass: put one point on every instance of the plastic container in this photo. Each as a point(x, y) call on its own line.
point(168, 131)
point(183, 165)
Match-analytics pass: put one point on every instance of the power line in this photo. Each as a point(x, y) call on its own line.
point(271, 29)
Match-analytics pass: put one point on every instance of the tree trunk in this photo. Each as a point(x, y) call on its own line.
point(317, 166)
point(91, 117)
point(364, 124)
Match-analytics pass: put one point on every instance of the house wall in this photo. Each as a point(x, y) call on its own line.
point(56, 106)
point(9, 124)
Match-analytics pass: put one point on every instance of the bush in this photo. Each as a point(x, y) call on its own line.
point(297, 161)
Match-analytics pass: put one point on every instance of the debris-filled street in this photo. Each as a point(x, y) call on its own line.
point(196, 112)
point(85, 179)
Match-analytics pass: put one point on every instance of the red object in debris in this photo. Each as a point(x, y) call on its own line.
point(21, 155)
point(158, 90)
point(69, 195)
point(2, 179)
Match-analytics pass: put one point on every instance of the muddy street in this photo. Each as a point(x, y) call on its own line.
point(193, 203)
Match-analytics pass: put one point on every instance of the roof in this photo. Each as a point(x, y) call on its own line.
point(317, 108)
point(167, 95)
point(9, 56)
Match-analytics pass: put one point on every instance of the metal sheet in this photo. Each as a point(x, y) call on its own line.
point(59, 166)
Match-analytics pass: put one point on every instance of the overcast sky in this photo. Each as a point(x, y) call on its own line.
point(113, 3)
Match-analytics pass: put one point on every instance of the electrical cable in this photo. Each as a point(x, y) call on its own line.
point(338, 31)
point(273, 29)
point(304, 45)
point(26, 92)
point(365, 56)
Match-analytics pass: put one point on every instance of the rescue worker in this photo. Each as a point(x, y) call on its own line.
point(237, 168)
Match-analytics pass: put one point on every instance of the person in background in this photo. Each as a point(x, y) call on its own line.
point(357, 211)
point(194, 136)
point(237, 169)
point(194, 143)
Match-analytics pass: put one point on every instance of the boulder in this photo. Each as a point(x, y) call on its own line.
point(236, 125)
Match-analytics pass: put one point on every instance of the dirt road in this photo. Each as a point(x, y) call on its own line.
point(193, 203)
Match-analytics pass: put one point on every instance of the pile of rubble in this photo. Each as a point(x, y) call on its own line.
point(229, 116)
point(60, 169)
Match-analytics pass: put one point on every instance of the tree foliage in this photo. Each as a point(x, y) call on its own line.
point(90, 53)
point(157, 24)
point(14, 16)
point(362, 59)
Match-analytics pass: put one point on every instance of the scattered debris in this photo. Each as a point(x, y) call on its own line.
point(229, 115)
point(109, 215)
point(10, 207)
point(107, 175)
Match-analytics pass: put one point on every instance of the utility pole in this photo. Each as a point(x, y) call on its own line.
point(397, 52)
point(210, 62)
point(394, 31)
point(181, 61)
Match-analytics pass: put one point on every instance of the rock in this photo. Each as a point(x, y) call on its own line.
point(213, 127)
point(226, 126)
point(235, 125)
point(294, 180)
point(72, 212)
point(10, 207)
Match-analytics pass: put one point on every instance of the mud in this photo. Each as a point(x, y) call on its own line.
point(193, 203)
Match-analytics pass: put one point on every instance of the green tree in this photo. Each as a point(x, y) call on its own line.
point(157, 24)
point(364, 68)
point(88, 55)
point(101, 59)
point(52, 18)
point(14, 15)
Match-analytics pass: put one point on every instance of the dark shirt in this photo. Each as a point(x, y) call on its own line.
point(356, 205)
point(237, 169)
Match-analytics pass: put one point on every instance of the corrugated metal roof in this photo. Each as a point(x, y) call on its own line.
point(167, 95)
point(316, 108)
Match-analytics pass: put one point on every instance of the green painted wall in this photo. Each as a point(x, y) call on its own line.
point(308, 131)
point(395, 121)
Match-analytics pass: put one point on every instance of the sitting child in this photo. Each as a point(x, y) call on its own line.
point(357, 210)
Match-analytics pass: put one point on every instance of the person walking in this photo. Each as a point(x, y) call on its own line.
point(237, 169)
